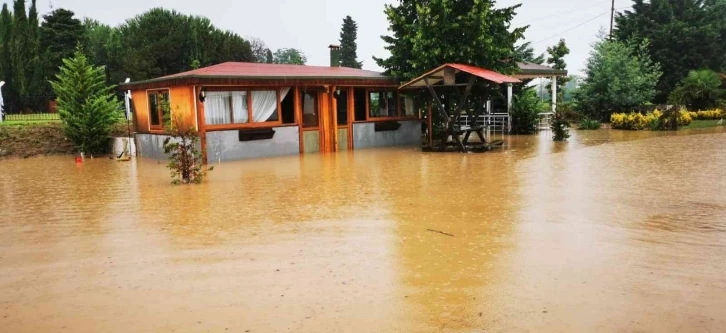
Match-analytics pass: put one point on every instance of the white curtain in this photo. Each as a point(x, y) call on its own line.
point(409, 106)
point(218, 104)
point(264, 103)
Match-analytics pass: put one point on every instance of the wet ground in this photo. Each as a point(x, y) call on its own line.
point(611, 232)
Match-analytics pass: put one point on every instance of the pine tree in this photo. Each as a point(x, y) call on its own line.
point(348, 45)
point(87, 106)
point(557, 61)
point(269, 59)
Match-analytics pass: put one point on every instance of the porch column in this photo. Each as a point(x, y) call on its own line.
point(509, 107)
point(554, 94)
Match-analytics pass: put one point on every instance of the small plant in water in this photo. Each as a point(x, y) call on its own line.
point(185, 160)
point(589, 124)
point(560, 127)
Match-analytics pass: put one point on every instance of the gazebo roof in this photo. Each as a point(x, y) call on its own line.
point(437, 75)
point(529, 70)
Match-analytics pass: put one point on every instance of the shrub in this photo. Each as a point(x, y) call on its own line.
point(185, 160)
point(657, 120)
point(707, 115)
point(525, 110)
point(560, 127)
point(700, 90)
point(589, 124)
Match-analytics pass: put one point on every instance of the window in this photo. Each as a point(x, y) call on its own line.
point(382, 104)
point(409, 106)
point(158, 108)
point(288, 109)
point(341, 100)
point(359, 98)
point(243, 106)
point(309, 108)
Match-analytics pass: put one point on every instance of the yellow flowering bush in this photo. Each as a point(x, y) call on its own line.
point(707, 115)
point(655, 121)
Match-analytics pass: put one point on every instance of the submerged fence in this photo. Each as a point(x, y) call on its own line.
point(32, 117)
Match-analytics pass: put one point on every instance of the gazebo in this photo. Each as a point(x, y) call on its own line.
point(528, 70)
point(455, 77)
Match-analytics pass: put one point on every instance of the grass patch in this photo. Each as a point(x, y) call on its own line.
point(27, 123)
point(705, 123)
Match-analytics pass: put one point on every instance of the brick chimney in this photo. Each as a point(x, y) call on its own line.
point(334, 55)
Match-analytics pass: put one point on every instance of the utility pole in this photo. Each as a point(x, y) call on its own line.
point(612, 18)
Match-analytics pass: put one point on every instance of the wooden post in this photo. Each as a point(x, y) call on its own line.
point(298, 117)
point(431, 127)
point(334, 119)
point(351, 116)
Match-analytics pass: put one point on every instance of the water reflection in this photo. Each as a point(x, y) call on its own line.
point(610, 231)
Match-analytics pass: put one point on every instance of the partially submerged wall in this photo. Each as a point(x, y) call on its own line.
point(226, 145)
point(151, 146)
point(365, 135)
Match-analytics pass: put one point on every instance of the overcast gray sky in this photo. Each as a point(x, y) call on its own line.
point(312, 25)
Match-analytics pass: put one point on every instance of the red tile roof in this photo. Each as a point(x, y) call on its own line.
point(483, 73)
point(258, 71)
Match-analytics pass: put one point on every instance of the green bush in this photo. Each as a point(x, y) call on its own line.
point(525, 110)
point(589, 124)
point(700, 90)
point(560, 127)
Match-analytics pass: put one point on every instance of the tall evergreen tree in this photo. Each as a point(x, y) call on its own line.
point(20, 54)
point(348, 44)
point(556, 59)
point(426, 34)
point(60, 34)
point(684, 35)
point(525, 53)
point(6, 66)
point(269, 59)
point(87, 106)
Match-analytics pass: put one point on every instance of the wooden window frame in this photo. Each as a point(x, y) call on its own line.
point(250, 123)
point(400, 114)
point(159, 110)
point(318, 107)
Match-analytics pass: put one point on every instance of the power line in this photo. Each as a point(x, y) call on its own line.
point(542, 18)
point(573, 28)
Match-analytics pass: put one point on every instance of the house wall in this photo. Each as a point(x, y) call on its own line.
point(181, 102)
point(365, 136)
point(150, 145)
point(225, 145)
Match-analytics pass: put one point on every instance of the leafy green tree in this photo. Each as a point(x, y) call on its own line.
point(348, 44)
point(290, 57)
point(525, 53)
point(619, 77)
point(556, 59)
point(684, 35)
point(269, 59)
point(87, 106)
point(426, 34)
point(185, 160)
point(162, 42)
point(700, 90)
point(103, 47)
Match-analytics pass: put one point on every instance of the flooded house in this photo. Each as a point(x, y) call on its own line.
point(248, 110)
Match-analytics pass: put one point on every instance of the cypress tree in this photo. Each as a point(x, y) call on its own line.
point(6, 37)
point(269, 59)
point(348, 45)
point(19, 56)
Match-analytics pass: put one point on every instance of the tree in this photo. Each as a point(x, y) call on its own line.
point(290, 57)
point(103, 47)
point(700, 90)
point(259, 49)
point(619, 77)
point(684, 35)
point(60, 34)
point(87, 106)
point(163, 42)
point(185, 160)
point(348, 45)
point(269, 58)
point(426, 34)
point(526, 107)
point(556, 59)
point(525, 53)
point(6, 54)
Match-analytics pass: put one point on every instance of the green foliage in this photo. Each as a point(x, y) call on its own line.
point(60, 33)
point(560, 127)
point(683, 35)
point(348, 45)
point(556, 59)
point(87, 106)
point(103, 47)
point(700, 90)
point(655, 121)
point(426, 34)
point(269, 59)
point(525, 53)
point(525, 110)
point(290, 57)
point(619, 77)
point(162, 42)
point(589, 124)
point(185, 160)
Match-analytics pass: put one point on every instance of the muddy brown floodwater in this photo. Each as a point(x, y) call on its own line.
point(610, 232)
